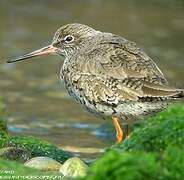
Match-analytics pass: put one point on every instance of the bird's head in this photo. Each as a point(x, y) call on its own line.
point(68, 40)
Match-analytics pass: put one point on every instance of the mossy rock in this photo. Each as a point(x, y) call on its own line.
point(14, 153)
point(139, 165)
point(167, 128)
point(13, 168)
point(37, 147)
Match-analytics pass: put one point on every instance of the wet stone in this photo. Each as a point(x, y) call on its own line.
point(43, 163)
point(13, 153)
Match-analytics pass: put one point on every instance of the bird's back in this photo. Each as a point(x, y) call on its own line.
point(116, 75)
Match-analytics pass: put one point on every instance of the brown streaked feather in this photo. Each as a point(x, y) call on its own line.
point(121, 72)
point(155, 90)
point(122, 59)
point(114, 91)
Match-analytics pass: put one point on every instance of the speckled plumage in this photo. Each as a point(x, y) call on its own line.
point(110, 76)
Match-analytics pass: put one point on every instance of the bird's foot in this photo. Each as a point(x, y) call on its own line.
point(119, 131)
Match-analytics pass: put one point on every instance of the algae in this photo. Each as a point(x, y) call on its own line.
point(37, 147)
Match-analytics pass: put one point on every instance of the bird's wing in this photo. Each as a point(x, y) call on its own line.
point(118, 69)
point(123, 59)
point(113, 91)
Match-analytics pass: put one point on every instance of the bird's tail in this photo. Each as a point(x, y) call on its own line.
point(179, 94)
point(156, 90)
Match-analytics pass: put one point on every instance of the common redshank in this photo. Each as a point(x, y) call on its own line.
point(109, 75)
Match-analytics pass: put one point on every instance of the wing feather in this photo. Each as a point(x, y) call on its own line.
point(118, 71)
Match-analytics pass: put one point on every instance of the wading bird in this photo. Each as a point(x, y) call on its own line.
point(109, 75)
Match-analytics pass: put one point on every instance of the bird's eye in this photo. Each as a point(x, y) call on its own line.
point(69, 38)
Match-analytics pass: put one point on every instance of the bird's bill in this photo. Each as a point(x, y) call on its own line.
point(43, 51)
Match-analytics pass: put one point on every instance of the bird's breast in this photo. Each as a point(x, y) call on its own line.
point(69, 77)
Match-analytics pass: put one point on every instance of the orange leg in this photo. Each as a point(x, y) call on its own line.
point(119, 132)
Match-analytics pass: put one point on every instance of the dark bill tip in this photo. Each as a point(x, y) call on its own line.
point(20, 58)
point(43, 51)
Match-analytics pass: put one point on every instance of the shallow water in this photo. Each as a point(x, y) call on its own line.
point(36, 100)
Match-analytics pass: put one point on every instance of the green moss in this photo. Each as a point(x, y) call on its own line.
point(3, 129)
point(3, 124)
point(173, 163)
point(139, 165)
point(116, 165)
point(12, 168)
point(167, 128)
point(37, 147)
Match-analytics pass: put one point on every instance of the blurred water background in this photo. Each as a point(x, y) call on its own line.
point(37, 102)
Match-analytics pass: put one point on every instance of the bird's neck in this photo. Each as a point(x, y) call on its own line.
point(69, 64)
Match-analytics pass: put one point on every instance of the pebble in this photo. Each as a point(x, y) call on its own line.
point(74, 167)
point(43, 163)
